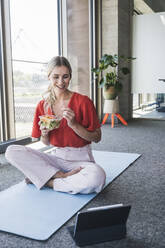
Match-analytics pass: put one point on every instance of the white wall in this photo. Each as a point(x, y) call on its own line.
point(149, 50)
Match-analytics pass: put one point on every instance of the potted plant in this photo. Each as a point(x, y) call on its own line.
point(108, 74)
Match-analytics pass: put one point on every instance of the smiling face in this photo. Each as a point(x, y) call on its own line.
point(59, 78)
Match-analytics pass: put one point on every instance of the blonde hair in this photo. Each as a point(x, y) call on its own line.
point(55, 61)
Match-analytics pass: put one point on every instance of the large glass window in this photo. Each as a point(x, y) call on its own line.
point(34, 34)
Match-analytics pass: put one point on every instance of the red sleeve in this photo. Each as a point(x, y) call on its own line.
point(90, 119)
point(36, 133)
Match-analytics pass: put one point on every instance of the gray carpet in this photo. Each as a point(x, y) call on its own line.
point(142, 185)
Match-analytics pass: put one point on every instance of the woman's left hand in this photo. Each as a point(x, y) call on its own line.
point(69, 115)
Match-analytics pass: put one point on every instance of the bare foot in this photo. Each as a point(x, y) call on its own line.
point(72, 172)
point(49, 183)
point(61, 174)
point(27, 180)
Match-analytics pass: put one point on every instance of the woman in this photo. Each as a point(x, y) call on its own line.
point(70, 167)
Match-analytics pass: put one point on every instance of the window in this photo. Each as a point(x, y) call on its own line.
point(34, 37)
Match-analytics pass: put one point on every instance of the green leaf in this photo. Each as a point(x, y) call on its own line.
point(96, 70)
point(108, 70)
point(101, 83)
point(130, 58)
point(125, 70)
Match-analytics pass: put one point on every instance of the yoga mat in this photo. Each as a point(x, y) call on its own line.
point(37, 214)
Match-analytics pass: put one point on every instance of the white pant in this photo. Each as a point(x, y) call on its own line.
point(39, 167)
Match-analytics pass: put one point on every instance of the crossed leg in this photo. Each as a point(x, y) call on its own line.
point(58, 174)
point(61, 175)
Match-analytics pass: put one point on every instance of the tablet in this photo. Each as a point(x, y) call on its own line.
point(100, 224)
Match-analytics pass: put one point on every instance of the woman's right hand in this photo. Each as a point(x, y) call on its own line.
point(45, 136)
point(44, 131)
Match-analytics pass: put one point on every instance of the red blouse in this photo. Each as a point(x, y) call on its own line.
point(63, 136)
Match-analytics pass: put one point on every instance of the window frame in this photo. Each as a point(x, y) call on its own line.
point(7, 120)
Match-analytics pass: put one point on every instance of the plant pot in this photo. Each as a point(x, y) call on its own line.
point(111, 106)
point(110, 93)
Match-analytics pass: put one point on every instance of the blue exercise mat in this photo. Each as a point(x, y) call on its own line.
point(37, 214)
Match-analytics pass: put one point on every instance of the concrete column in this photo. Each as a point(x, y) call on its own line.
point(125, 13)
point(78, 44)
point(109, 26)
point(116, 39)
